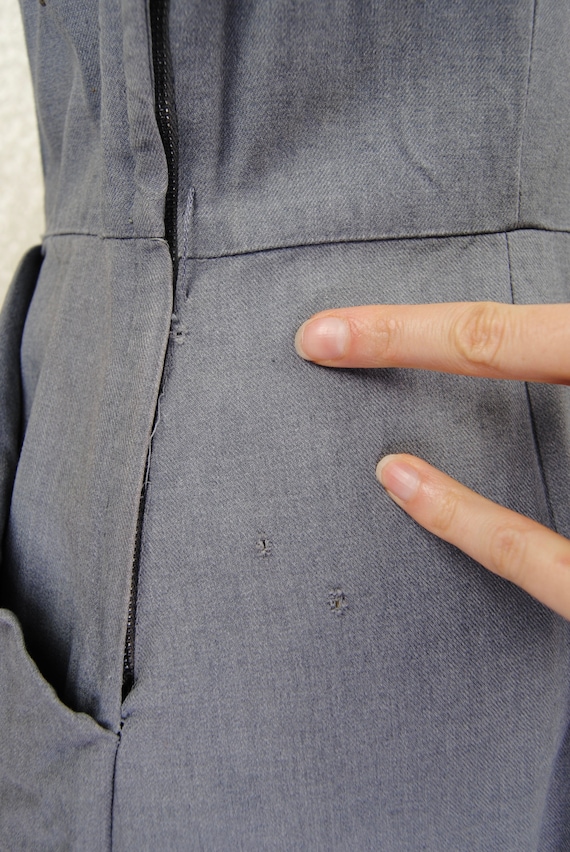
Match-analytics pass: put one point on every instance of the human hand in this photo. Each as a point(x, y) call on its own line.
point(526, 342)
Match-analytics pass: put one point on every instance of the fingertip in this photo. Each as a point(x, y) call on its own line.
point(399, 478)
point(323, 339)
point(299, 341)
point(384, 461)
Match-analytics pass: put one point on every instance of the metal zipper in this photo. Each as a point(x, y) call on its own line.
point(165, 112)
point(129, 655)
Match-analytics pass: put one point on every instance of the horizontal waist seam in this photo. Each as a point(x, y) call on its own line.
point(315, 243)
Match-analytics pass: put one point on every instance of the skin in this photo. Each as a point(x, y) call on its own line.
point(525, 342)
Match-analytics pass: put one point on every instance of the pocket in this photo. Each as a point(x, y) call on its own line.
point(12, 319)
point(56, 766)
point(92, 354)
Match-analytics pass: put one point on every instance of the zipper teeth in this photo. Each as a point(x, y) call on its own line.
point(165, 112)
point(166, 115)
point(129, 656)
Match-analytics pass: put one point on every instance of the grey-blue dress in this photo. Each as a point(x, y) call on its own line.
point(218, 632)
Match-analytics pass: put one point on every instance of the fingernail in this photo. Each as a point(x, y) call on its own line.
point(398, 478)
point(324, 339)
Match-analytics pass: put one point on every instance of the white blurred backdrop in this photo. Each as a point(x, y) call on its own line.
point(21, 187)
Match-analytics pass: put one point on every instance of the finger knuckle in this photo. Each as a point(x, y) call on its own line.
point(562, 563)
point(445, 513)
point(507, 549)
point(478, 333)
point(388, 334)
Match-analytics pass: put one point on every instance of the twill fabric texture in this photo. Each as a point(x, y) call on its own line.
point(312, 670)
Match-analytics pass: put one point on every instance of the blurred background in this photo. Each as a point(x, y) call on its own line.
point(21, 188)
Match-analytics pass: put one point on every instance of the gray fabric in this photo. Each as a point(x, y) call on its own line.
point(312, 122)
point(12, 321)
point(56, 767)
point(89, 405)
point(56, 783)
point(312, 670)
point(428, 713)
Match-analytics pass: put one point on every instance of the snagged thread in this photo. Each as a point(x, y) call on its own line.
point(338, 603)
point(152, 434)
point(264, 547)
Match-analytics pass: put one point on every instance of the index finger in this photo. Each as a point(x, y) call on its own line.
point(512, 546)
point(527, 342)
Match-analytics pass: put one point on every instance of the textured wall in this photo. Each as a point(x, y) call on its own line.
point(21, 189)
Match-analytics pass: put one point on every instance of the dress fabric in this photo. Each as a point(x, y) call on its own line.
point(312, 670)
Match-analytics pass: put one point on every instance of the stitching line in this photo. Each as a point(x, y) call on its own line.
point(316, 244)
point(368, 239)
point(532, 417)
point(525, 110)
point(186, 225)
point(110, 237)
point(113, 780)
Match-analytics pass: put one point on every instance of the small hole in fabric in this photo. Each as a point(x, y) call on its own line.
point(263, 546)
point(337, 602)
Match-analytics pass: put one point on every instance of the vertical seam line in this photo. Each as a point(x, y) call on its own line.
point(534, 429)
point(525, 112)
point(113, 784)
point(186, 226)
